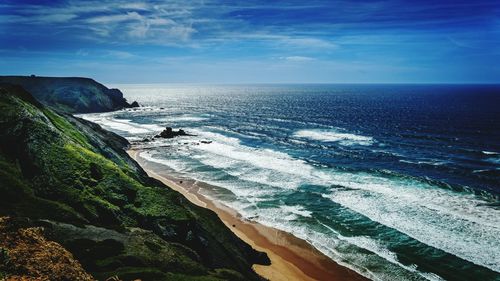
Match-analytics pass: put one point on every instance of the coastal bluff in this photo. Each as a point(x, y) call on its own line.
point(73, 184)
point(71, 94)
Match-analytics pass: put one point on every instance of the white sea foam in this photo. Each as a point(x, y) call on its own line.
point(334, 135)
point(494, 160)
point(181, 118)
point(490, 152)
point(108, 121)
point(297, 210)
point(458, 223)
point(262, 166)
point(337, 246)
point(382, 251)
point(433, 162)
point(455, 223)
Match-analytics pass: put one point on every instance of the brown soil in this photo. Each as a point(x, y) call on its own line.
point(25, 254)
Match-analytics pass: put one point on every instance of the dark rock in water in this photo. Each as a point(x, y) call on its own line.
point(134, 104)
point(206, 142)
point(168, 133)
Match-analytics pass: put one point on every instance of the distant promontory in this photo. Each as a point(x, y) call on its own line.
point(71, 94)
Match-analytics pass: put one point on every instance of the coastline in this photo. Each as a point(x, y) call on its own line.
point(291, 258)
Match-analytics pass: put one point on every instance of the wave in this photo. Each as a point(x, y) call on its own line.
point(494, 160)
point(382, 251)
point(457, 223)
point(297, 210)
point(432, 162)
point(334, 135)
point(347, 251)
point(182, 118)
point(108, 121)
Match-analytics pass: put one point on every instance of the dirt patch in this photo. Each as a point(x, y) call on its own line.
point(25, 254)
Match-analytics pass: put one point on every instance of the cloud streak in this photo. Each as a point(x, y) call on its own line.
point(174, 22)
point(297, 58)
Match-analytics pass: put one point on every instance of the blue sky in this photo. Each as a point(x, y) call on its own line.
point(253, 41)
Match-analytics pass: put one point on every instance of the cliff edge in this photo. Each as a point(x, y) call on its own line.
point(74, 181)
point(71, 94)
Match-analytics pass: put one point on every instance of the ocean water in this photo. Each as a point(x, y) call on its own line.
point(398, 182)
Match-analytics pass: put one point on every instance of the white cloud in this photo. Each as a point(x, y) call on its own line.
point(135, 6)
point(281, 40)
point(308, 42)
point(163, 23)
point(113, 21)
point(297, 58)
point(82, 53)
point(120, 54)
point(151, 28)
point(56, 18)
point(114, 18)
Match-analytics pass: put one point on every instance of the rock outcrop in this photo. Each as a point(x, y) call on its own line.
point(169, 133)
point(71, 94)
point(26, 254)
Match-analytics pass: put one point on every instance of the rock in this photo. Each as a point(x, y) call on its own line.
point(168, 133)
point(27, 254)
point(70, 94)
point(134, 104)
point(206, 142)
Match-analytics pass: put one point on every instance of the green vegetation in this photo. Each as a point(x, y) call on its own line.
point(64, 126)
point(4, 262)
point(70, 94)
point(101, 205)
point(4, 257)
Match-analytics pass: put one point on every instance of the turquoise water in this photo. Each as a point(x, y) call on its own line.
point(398, 182)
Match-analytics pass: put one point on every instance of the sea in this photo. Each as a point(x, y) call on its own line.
point(395, 181)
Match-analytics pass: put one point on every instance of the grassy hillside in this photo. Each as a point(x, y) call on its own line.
point(74, 179)
point(70, 94)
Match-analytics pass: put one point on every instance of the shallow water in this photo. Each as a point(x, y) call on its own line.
point(398, 182)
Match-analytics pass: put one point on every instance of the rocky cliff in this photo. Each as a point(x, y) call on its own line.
point(74, 181)
point(71, 94)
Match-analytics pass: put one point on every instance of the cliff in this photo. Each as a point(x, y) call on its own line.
point(74, 181)
point(71, 94)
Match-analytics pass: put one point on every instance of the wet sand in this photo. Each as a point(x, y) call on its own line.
point(291, 258)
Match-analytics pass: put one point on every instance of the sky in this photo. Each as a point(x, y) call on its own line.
point(217, 41)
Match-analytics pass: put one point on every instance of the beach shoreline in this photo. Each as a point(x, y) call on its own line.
point(291, 258)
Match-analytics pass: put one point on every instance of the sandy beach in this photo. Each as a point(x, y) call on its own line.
point(291, 258)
